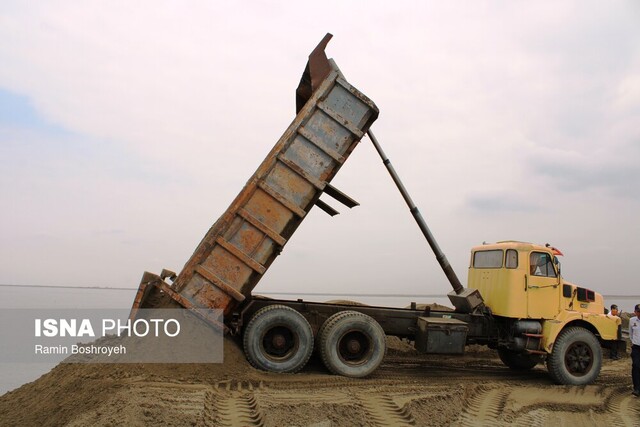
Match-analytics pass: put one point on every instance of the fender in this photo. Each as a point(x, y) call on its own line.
point(604, 326)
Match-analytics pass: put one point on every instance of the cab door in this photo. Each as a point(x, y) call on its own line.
point(543, 286)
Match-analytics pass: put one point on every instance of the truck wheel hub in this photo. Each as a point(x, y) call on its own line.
point(353, 346)
point(278, 341)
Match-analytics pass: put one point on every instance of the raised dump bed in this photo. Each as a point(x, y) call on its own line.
point(241, 245)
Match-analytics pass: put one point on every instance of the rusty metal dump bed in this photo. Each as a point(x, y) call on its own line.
point(241, 245)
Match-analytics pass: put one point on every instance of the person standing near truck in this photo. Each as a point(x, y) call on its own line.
point(634, 334)
point(613, 314)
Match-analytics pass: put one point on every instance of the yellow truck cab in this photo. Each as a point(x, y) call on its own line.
point(547, 317)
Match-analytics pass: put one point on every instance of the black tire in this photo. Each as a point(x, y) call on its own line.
point(352, 344)
point(576, 357)
point(278, 339)
point(518, 361)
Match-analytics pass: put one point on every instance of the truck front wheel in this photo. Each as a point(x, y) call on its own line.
point(576, 358)
point(352, 344)
point(278, 339)
point(518, 361)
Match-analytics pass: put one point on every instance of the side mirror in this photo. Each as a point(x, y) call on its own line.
point(557, 263)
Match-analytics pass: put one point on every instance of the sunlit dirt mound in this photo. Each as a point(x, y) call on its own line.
point(71, 389)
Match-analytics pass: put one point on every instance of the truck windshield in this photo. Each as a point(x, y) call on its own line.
point(541, 264)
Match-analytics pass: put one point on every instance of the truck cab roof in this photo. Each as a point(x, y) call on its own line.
point(515, 244)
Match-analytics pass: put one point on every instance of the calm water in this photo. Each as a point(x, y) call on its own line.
point(13, 375)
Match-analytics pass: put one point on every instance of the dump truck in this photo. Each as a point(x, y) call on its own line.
point(516, 300)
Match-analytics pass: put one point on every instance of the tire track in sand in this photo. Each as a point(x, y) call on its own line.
point(483, 408)
point(384, 411)
point(233, 410)
point(230, 385)
point(624, 408)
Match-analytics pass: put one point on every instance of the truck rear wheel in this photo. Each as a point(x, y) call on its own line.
point(518, 361)
point(352, 344)
point(576, 358)
point(278, 339)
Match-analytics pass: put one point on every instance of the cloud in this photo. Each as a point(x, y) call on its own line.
point(608, 160)
point(618, 176)
point(148, 118)
point(502, 203)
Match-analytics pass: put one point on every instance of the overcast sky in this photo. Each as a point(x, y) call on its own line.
point(127, 128)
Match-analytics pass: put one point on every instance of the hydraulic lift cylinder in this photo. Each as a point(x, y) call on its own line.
point(440, 257)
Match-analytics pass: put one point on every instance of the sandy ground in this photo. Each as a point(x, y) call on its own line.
point(408, 389)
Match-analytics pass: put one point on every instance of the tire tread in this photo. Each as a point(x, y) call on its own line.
point(555, 361)
point(257, 317)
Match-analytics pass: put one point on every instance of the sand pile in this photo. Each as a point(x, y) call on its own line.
point(71, 389)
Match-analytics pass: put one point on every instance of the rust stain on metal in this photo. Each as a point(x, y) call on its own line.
point(317, 69)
